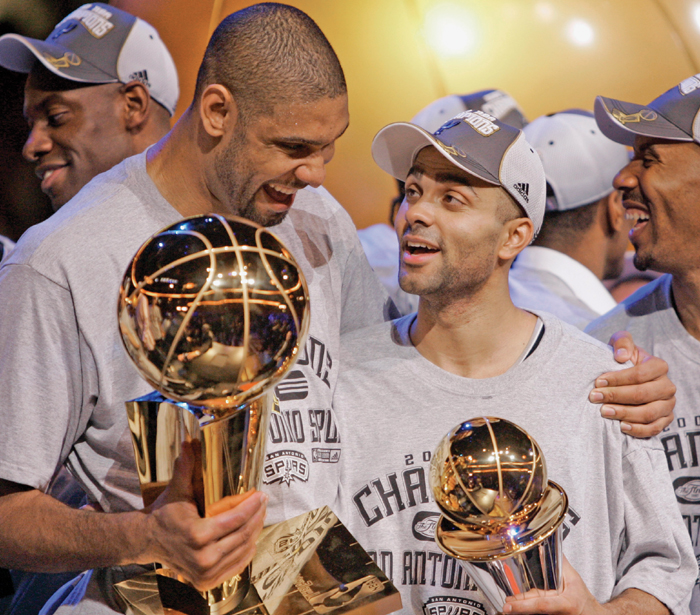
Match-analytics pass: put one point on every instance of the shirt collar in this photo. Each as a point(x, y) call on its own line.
point(579, 278)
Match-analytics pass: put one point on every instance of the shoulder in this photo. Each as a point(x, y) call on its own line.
point(634, 311)
point(579, 353)
point(108, 216)
point(376, 343)
point(318, 207)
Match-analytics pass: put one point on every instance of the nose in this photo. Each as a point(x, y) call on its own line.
point(627, 178)
point(37, 144)
point(312, 171)
point(419, 211)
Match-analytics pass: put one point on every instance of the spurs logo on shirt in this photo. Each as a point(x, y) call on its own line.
point(294, 423)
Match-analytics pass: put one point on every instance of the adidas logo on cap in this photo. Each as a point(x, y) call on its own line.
point(523, 191)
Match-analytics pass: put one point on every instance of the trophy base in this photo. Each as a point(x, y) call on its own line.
point(308, 564)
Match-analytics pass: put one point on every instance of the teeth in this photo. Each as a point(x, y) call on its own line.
point(48, 174)
point(282, 190)
point(414, 244)
point(636, 216)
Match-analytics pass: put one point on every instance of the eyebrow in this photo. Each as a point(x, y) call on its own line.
point(310, 142)
point(41, 105)
point(443, 177)
point(647, 148)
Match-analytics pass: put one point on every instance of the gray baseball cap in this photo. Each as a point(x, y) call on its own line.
point(498, 103)
point(96, 44)
point(675, 115)
point(477, 143)
point(579, 161)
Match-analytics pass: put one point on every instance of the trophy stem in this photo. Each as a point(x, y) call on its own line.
point(229, 455)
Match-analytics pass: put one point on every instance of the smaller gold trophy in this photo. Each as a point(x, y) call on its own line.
point(213, 311)
point(501, 517)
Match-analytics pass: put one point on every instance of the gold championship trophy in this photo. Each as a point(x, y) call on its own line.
point(213, 311)
point(501, 517)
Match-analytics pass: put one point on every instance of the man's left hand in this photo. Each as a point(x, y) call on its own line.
point(641, 397)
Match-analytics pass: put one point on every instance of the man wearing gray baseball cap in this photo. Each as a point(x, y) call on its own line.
point(660, 188)
point(379, 240)
point(584, 233)
point(475, 196)
point(102, 87)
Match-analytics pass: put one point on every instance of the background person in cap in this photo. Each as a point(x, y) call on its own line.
point(661, 190)
point(379, 240)
point(584, 233)
point(102, 87)
point(475, 195)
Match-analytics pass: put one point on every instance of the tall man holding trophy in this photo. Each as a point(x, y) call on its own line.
point(255, 140)
point(475, 195)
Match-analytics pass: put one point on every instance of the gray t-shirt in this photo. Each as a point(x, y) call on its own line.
point(393, 406)
point(65, 374)
point(650, 317)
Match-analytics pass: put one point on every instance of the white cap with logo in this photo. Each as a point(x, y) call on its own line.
point(579, 161)
point(96, 44)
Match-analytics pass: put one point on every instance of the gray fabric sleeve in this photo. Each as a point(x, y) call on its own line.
point(365, 301)
point(39, 378)
point(659, 556)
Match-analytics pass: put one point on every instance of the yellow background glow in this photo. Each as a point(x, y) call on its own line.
point(399, 55)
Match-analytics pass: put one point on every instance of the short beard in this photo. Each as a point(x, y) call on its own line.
point(239, 185)
point(642, 262)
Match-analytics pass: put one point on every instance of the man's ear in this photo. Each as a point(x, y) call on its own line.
point(615, 212)
point(217, 110)
point(517, 235)
point(138, 103)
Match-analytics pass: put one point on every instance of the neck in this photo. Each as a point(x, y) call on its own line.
point(177, 169)
point(686, 299)
point(477, 336)
point(590, 251)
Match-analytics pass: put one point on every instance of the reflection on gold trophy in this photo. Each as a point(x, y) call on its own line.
point(213, 311)
point(501, 517)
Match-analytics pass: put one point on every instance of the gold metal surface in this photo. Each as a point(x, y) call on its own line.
point(501, 516)
point(309, 564)
point(212, 311)
point(487, 470)
point(511, 538)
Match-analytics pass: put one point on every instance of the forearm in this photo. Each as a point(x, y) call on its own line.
point(633, 602)
point(40, 534)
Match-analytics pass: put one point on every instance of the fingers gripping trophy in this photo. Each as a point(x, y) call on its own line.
point(501, 517)
point(213, 311)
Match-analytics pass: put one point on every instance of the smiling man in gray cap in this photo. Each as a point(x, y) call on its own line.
point(475, 195)
point(102, 87)
point(660, 189)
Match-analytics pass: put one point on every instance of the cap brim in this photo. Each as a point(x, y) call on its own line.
point(19, 53)
point(396, 146)
point(623, 122)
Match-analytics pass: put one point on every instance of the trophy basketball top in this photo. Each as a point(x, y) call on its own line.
point(489, 479)
point(213, 311)
point(485, 471)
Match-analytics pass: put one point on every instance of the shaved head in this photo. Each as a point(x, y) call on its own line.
point(268, 54)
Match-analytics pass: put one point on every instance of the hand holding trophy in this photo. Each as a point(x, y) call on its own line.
point(501, 517)
point(212, 311)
